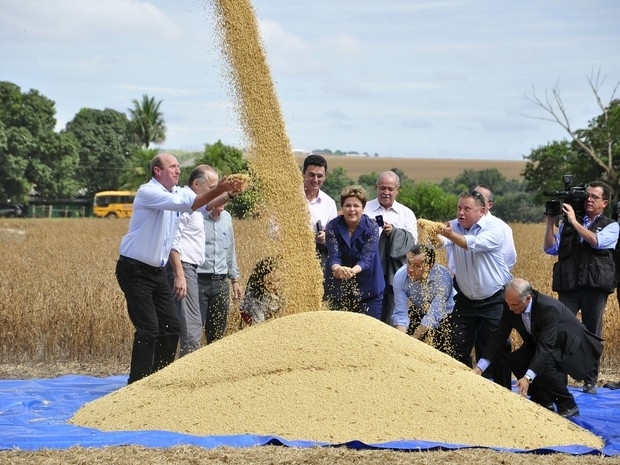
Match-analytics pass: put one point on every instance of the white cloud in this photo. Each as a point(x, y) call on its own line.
point(280, 40)
point(84, 20)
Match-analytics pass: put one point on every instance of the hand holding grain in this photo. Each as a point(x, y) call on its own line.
point(237, 183)
point(429, 232)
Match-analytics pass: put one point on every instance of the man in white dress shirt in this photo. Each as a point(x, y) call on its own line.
point(321, 206)
point(187, 254)
point(144, 252)
point(399, 233)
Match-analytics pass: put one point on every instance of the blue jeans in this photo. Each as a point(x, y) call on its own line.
point(151, 309)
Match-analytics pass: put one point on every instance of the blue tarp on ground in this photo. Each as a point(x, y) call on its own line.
point(34, 415)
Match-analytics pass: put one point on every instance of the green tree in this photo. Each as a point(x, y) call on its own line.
point(54, 165)
point(547, 164)
point(105, 147)
point(369, 182)
point(31, 153)
point(335, 181)
point(224, 158)
point(428, 200)
point(469, 179)
point(518, 207)
point(147, 121)
point(228, 160)
point(137, 172)
point(597, 146)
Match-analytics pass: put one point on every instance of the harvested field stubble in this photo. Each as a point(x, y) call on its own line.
point(432, 170)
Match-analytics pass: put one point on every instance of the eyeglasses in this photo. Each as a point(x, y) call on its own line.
point(477, 195)
point(593, 197)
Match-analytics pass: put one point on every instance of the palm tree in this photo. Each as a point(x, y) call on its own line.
point(147, 122)
point(137, 172)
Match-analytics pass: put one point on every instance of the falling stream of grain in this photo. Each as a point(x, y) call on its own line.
point(283, 210)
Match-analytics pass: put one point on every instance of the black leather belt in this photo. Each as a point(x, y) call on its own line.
point(482, 301)
point(189, 264)
point(213, 276)
point(132, 261)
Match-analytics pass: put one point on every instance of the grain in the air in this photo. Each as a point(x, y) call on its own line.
point(285, 221)
point(330, 377)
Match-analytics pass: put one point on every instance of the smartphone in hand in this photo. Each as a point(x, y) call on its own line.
point(379, 220)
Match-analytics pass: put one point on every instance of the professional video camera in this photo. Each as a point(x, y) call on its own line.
point(574, 196)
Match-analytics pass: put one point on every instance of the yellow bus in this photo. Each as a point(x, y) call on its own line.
point(113, 204)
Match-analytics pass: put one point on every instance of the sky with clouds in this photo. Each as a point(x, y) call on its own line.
point(400, 78)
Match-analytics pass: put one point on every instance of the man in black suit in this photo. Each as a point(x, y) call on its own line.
point(555, 344)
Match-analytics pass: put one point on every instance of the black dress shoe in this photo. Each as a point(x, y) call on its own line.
point(612, 385)
point(571, 412)
point(589, 388)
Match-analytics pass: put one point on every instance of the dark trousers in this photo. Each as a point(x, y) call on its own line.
point(474, 321)
point(151, 309)
point(592, 304)
point(214, 298)
point(549, 386)
point(388, 303)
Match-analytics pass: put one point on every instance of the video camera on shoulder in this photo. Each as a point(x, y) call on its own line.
point(574, 196)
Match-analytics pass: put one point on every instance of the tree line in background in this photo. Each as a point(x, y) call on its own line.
point(107, 150)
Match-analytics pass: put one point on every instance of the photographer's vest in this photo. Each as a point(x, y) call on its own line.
point(580, 265)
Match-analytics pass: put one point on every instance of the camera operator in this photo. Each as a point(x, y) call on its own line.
point(584, 274)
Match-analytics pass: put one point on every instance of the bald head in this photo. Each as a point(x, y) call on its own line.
point(165, 169)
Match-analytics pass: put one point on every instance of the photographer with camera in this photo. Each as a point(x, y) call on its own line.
point(585, 273)
point(399, 232)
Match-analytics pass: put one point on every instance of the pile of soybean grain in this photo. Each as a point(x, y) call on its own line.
point(271, 159)
point(330, 377)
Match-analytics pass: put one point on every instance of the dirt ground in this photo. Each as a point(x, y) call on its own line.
point(264, 455)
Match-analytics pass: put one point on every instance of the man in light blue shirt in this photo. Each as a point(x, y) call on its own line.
point(427, 286)
point(144, 252)
point(220, 265)
point(476, 255)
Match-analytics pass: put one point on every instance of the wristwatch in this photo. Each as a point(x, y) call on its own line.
point(529, 378)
